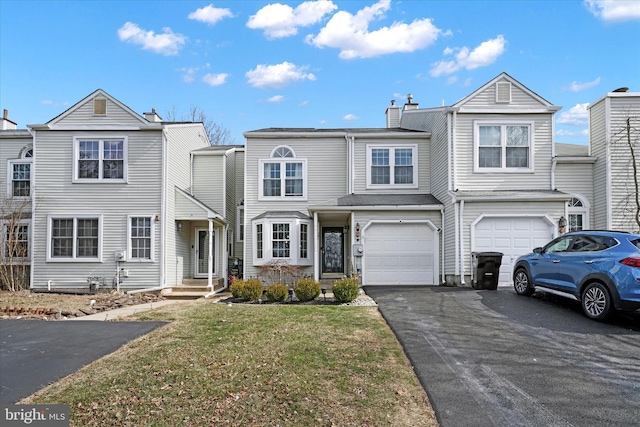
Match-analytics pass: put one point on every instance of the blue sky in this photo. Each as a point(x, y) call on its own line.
point(323, 64)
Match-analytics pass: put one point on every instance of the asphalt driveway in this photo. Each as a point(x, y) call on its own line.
point(35, 353)
point(493, 358)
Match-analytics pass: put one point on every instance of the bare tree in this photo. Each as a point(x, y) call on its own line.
point(14, 244)
point(627, 138)
point(217, 133)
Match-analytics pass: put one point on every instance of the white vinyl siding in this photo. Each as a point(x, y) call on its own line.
point(598, 141)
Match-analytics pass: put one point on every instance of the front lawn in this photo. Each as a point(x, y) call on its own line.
point(262, 365)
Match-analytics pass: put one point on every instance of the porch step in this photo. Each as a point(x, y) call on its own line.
point(191, 289)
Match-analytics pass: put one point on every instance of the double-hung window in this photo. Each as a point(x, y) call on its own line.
point(100, 159)
point(20, 178)
point(392, 166)
point(16, 241)
point(503, 147)
point(283, 175)
point(74, 238)
point(141, 238)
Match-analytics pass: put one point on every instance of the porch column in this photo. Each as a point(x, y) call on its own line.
point(316, 248)
point(210, 260)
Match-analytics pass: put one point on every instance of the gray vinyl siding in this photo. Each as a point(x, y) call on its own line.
point(326, 180)
point(239, 198)
point(116, 115)
point(56, 194)
point(487, 97)
point(577, 179)
point(623, 205)
point(598, 142)
point(181, 139)
point(360, 164)
point(208, 180)
point(539, 179)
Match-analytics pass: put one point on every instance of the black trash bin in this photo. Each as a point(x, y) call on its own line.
point(487, 269)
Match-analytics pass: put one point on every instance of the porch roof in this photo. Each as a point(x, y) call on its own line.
point(188, 208)
point(380, 201)
point(511, 195)
point(282, 214)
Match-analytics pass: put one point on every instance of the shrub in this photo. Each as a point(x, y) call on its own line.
point(252, 289)
point(346, 289)
point(237, 288)
point(277, 293)
point(307, 289)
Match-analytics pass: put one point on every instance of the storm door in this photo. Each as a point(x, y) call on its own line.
point(332, 250)
point(202, 252)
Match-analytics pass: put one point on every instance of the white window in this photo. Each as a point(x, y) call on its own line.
point(15, 240)
point(283, 175)
point(141, 238)
point(277, 239)
point(100, 159)
point(74, 238)
point(19, 178)
point(503, 147)
point(577, 214)
point(392, 166)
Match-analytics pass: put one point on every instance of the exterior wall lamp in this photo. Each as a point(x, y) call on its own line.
point(179, 226)
point(562, 225)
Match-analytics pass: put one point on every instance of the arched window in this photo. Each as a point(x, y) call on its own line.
point(283, 175)
point(577, 213)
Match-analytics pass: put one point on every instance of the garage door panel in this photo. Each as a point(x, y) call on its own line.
point(399, 253)
point(513, 236)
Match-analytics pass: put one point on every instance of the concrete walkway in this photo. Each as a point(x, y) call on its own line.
point(129, 310)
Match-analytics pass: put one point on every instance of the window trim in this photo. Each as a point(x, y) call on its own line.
point(294, 257)
point(4, 228)
point(503, 145)
point(578, 210)
point(282, 161)
point(10, 164)
point(240, 231)
point(151, 241)
point(101, 139)
point(75, 217)
point(392, 148)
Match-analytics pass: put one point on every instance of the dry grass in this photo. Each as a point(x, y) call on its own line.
point(63, 302)
point(254, 365)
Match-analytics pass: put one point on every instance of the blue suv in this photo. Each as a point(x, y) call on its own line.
point(601, 269)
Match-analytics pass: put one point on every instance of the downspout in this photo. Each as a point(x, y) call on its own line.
point(456, 210)
point(163, 208)
point(210, 257)
point(554, 164)
point(33, 212)
point(462, 242)
point(443, 279)
point(350, 142)
point(225, 260)
point(316, 249)
point(452, 151)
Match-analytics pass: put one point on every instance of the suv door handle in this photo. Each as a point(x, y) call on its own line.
point(588, 262)
point(555, 261)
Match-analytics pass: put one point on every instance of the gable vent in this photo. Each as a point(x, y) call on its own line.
point(503, 92)
point(99, 107)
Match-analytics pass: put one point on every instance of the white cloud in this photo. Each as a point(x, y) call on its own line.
point(278, 75)
point(167, 43)
point(276, 99)
point(350, 117)
point(486, 53)
point(210, 15)
point(614, 10)
point(576, 116)
point(215, 79)
point(350, 33)
point(303, 103)
point(189, 74)
point(280, 20)
point(578, 87)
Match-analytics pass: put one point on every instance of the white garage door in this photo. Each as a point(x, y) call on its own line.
point(513, 236)
point(400, 254)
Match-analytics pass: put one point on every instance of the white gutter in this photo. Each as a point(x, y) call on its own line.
point(316, 248)
point(163, 208)
point(210, 256)
point(210, 294)
point(453, 151)
point(442, 245)
point(456, 239)
point(33, 212)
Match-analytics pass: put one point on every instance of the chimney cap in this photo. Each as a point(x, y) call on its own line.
point(622, 89)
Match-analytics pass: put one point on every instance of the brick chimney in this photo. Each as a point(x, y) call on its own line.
point(153, 116)
point(6, 123)
point(393, 115)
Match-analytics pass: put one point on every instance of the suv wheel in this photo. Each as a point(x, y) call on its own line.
point(596, 301)
point(521, 282)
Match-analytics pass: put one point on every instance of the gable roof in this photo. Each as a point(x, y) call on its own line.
point(97, 93)
point(501, 77)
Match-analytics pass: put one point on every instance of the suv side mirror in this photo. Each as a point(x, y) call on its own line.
point(537, 250)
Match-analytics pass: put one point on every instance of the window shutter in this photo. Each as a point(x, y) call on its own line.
point(503, 92)
point(99, 107)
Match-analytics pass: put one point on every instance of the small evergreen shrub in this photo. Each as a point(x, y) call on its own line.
point(277, 293)
point(346, 289)
point(237, 288)
point(252, 289)
point(307, 289)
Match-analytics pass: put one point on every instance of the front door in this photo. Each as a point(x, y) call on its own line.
point(202, 252)
point(332, 250)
